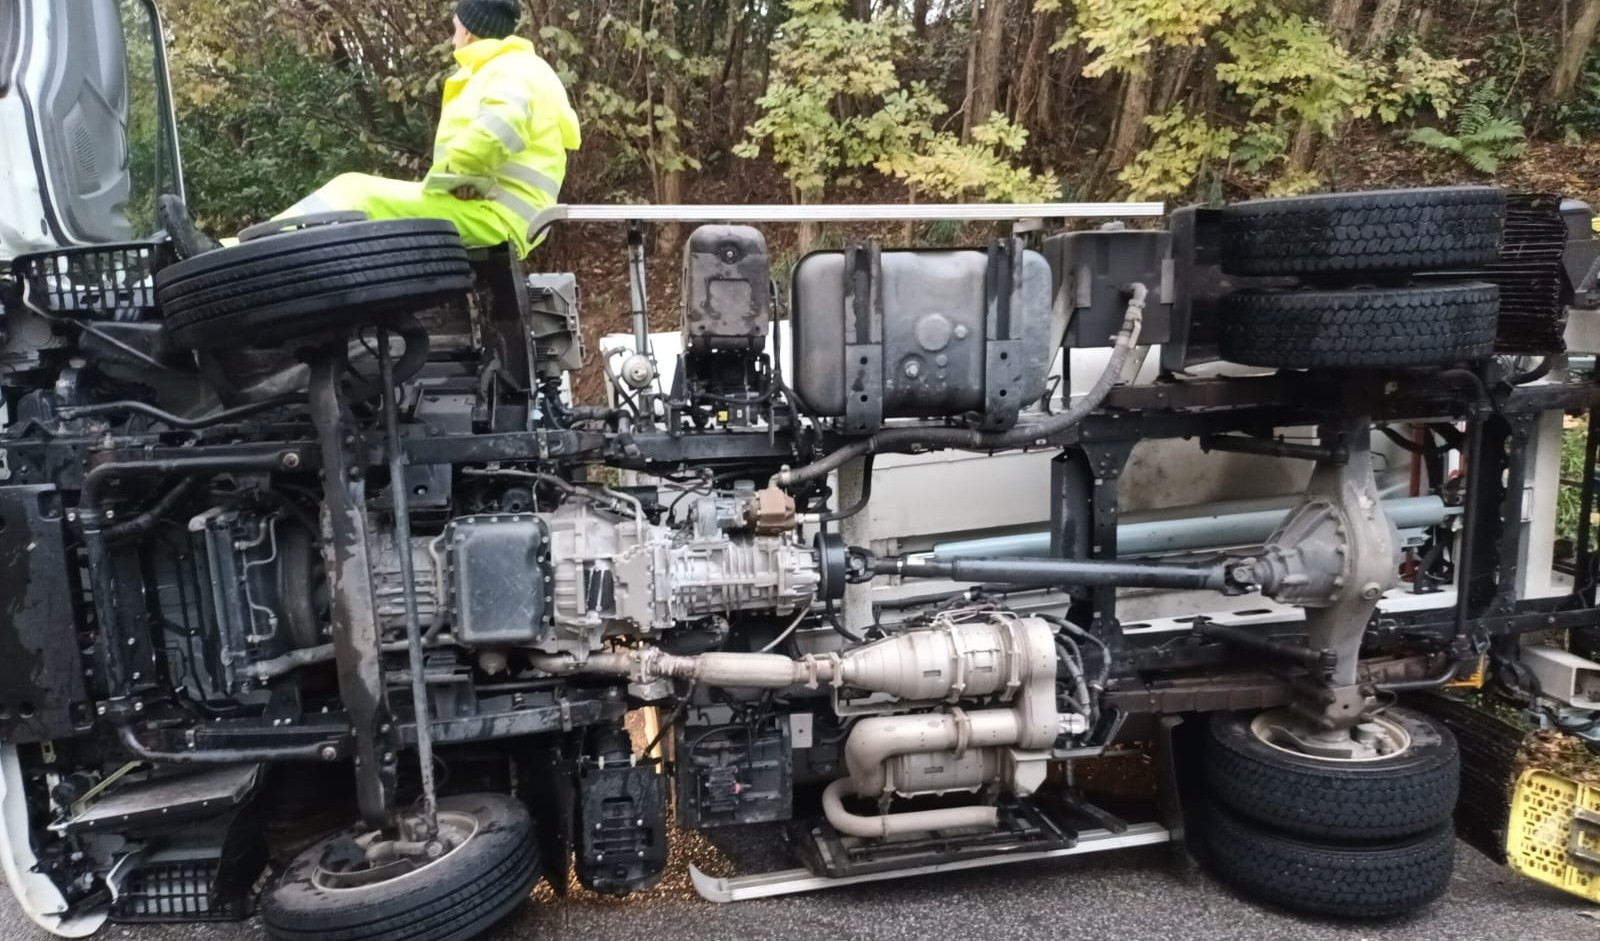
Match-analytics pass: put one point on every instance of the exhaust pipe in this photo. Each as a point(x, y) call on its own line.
point(887, 825)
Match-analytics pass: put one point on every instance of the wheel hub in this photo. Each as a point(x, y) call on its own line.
point(374, 857)
point(1371, 739)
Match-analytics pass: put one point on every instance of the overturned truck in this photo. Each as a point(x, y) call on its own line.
point(312, 563)
point(313, 515)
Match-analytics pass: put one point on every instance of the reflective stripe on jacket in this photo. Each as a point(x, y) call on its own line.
point(506, 117)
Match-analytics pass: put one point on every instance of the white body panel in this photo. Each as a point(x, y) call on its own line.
point(37, 896)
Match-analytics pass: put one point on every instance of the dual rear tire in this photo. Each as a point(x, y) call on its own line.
point(1334, 838)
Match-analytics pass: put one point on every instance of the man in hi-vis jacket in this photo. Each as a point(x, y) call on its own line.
point(500, 153)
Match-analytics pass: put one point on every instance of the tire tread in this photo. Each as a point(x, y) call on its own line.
point(455, 905)
point(313, 281)
point(1374, 881)
point(1334, 801)
point(1423, 229)
point(1373, 328)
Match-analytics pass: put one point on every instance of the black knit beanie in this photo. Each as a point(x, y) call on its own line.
point(489, 19)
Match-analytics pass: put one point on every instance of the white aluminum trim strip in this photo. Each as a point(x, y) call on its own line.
point(892, 212)
point(791, 881)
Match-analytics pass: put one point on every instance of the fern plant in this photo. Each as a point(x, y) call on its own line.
point(1483, 136)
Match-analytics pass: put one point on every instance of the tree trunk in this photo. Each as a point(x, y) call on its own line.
point(986, 97)
point(1128, 132)
point(1035, 72)
point(1175, 77)
point(1422, 22)
point(670, 189)
point(1343, 18)
point(1057, 98)
point(1384, 20)
point(1573, 53)
point(733, 70)
point(974, 46)
point(919, 16)
point(861, 10)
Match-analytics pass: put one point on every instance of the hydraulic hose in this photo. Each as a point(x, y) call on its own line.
point(143, 523)
point(129, 737)
point(178, 422)
point(264, 670)
point(902, 439)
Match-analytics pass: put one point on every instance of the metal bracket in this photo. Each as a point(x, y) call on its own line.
point(863, 324)
point(1002, 368)
point(346, 553)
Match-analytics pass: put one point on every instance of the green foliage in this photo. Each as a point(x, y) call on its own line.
point(646, 131)
point(1569, 499)
point(272, 142)
point(1418, 80)
point(945, 167)
point(1578, 116)
point(1286, 73)
point(1184, 146)
point(275, 98)
point(144, 125)
point(1289, 69)
point(1483, 136)
point(1121, 33)
point(834, 103)
point(1519, 51)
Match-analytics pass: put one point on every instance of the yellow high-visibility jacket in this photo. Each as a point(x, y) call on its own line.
point(506, 117)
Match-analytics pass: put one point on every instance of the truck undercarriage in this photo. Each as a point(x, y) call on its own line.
point(306, 534)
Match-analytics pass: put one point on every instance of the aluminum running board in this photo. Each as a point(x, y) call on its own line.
point(793, 881)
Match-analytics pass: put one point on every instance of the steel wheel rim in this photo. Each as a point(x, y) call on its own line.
point(456, 829)
point(1261, 729)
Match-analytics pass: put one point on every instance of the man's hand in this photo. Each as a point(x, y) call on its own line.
point(466, 192)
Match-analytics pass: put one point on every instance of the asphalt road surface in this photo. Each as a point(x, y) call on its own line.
point(1134, 894)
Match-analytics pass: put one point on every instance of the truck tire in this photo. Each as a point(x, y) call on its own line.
point(1436, 325)
point(454, 898)
point(1381, 231)
point(1395, 796)
point(1379, 880)
point(323, 280)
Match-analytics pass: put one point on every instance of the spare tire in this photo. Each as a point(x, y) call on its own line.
point(324, 280)
point(1436, 325)
point(1381, 231)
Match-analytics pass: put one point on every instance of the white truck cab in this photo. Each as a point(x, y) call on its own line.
point(71, 72)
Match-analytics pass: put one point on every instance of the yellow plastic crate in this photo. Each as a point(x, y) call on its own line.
point(1473, 680)
point(1554, 833)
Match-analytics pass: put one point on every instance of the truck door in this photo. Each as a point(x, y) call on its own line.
point(64, 167)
